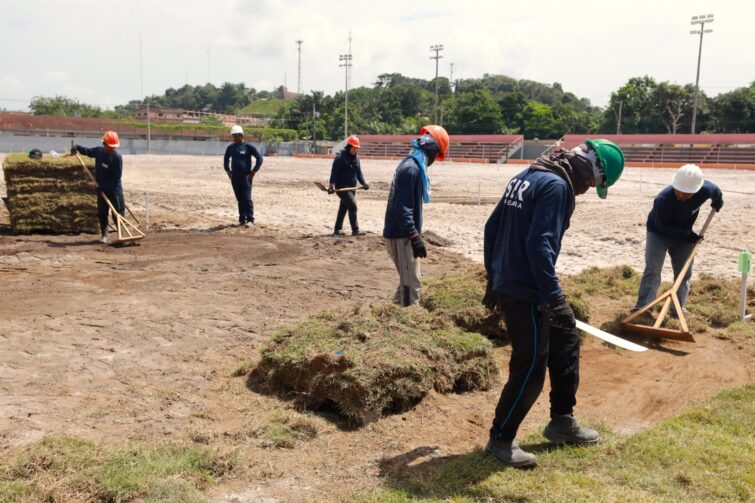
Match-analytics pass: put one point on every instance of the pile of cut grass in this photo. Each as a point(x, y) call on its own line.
point(458, 297)
point(73, 469)
point(370, 361)
point(705, 454)
point(50, 195)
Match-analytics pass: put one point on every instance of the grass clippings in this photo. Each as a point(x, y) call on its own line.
point(367, 362)
point(284, 430)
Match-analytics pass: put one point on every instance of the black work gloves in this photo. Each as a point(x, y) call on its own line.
point(74, 149)
point(418, 247)
point(717, 205)
point(489, 300)
point(561, 315)
point(366, 186)
point(693, 237)
point(331, 190)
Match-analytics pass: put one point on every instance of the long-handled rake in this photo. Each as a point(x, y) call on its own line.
point(667, 298)
point(127, 232)
point(323, 187)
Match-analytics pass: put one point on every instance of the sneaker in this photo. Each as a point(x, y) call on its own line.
point(357, 233)
point(510, 454)
point(338, 233)
point(564, 429)
point(104, 239)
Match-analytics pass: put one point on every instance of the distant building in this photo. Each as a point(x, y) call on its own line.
point(285, 94)
point(160, 114)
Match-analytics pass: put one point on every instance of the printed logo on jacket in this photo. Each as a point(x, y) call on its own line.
point(514, 195)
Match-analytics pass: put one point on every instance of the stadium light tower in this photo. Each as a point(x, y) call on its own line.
point(701, 20)
point(298, 83)
point(345, 62)
point(436, 49)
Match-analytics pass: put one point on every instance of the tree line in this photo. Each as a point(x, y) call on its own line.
point(493, 104)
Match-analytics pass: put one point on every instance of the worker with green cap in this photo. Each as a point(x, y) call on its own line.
point(522, 242)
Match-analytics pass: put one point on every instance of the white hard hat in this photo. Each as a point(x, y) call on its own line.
point(688, 179)
point(237, 130)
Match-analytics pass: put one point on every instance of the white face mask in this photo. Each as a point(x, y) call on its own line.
point(593, 158)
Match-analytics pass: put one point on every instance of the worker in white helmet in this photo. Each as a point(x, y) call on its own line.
point(669, 229)
point(237, 163)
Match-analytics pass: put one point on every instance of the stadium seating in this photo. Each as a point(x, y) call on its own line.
point(472, 148)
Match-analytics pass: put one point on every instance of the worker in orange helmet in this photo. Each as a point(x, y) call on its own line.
point(403, 216)
point(345, 172)
point(108, 168)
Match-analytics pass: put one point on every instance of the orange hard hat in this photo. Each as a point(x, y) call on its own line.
point(110, 139)
point(353, 141)
point(440, 135)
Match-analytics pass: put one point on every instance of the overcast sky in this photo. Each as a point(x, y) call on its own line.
point(89, 49)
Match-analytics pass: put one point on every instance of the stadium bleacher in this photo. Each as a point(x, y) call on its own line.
point(470, 148)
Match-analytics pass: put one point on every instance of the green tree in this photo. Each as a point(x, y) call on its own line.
point(539, 122)
point(734, 112)
point(632, 104)
point(62, 105)
point(473, 112)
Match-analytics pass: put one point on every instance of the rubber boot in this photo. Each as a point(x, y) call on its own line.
point(357, 232)
point(338, 232)
point(510, 454)
point(105, 237)
point(564, 429)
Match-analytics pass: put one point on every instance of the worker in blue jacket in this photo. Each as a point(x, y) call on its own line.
point(669, 229)
point(522, 242)
point(108, 169)
point(237, 163)
point(403, 215)
point(344, 173)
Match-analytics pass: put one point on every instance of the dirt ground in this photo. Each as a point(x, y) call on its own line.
point(142, 342)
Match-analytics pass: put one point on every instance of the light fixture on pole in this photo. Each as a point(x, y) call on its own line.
point(436, 49)
point(345, 62)
point(701, 20)
point(298, 86)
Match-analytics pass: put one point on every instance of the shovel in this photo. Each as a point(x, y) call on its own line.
point(324, 188)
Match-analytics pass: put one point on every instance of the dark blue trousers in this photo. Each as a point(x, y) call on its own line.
point(535, 347)
point(242, 188)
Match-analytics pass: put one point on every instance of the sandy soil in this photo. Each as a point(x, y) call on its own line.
point(141, 342)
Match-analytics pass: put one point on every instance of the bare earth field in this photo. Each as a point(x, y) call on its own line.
point(142, 342)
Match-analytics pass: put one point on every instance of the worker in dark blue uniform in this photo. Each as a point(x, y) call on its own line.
point(522, 242)
point(344, 173)
point(108, 169)
point(669, 230)
point(237, 163)
point(403, 214)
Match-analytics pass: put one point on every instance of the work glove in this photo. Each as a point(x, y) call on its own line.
point(74, 149)
point(717, 205)
point(250, 175)
point(366, 186)
point(489, 300)
point(418, 247)
point(693, 237)
point(561, 315)
point(331, 190)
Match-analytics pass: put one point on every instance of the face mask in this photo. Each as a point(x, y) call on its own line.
point(582, 171)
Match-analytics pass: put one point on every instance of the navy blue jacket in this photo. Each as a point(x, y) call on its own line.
point(240, 157)
point(523, 237)
point(108, 168)
point(675, 218)
point(346, 171)
point(403, 215)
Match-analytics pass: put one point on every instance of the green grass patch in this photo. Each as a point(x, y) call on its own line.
point(705, 454)
point(369, 361)
point(265, 108)
point(74, 469)
point(284, 430)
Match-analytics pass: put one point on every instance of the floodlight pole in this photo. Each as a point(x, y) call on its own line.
point(298, 86)
point(436, 49)
point(345, 60)
point(141, 77)
point(701, 20)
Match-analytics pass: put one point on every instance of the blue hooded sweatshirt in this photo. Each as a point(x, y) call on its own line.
point(403, 215)
point(523, 237)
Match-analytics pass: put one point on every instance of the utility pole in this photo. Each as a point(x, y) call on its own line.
point(451, 77)
point(298, 86)
point(208, 64)
point(141, 77)
point(701, 20)
point(618, 118)
point(345, 62)
point(314, 121)
point(436, 49)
